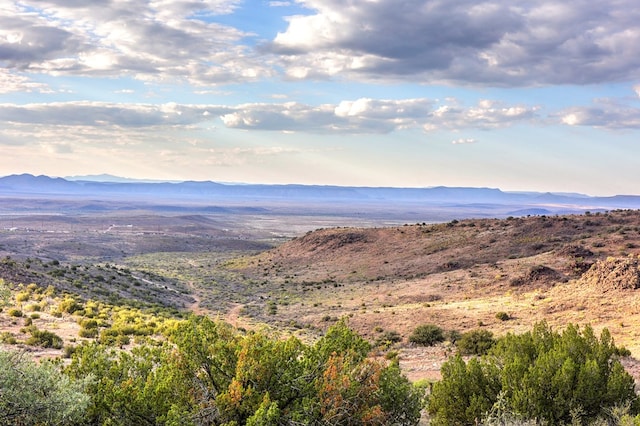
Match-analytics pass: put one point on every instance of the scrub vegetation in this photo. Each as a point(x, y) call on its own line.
point(476, 321)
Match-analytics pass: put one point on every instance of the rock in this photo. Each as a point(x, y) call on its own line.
point(613, 274)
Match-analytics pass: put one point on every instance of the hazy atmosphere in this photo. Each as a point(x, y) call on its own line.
point(519, 95)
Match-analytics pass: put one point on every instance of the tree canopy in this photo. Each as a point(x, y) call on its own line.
point(542, 374)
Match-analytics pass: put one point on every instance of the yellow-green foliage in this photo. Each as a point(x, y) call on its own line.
point(15, 312)
point(126, 322)
point(69, 305)
point(23, 296)
point(35, 307)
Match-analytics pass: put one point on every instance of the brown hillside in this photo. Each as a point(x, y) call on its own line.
point(350, 254)
point(457, 275)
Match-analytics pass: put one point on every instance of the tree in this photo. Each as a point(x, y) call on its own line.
point(139, 387)
point(541, 374)
point(210, 373)
point(32, 394)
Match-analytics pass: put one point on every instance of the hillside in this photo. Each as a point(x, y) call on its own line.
point(457, 275)
point(386, 280)
point(420, 250)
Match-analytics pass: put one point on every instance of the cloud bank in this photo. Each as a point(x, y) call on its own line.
point(476, 43)
point(515, 43)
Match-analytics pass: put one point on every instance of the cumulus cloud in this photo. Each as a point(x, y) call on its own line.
point(514, 43)
point(474, 42)
point(376, 116)
point(108, 114)
point(487, 114)
point(157, 40)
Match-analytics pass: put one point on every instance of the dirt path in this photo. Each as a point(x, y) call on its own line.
point(233, 315)
point(196, 307)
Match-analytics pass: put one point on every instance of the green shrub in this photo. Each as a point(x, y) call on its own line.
point(23, 296)
point(88, 333)
point(427, 335)
point(45, 339)
point(388, 338)
point(90, 323)
point(39, 393)
point(475, 342)
point(69, 305)
point(555, 378)
point(453, 335)
point(8, 338)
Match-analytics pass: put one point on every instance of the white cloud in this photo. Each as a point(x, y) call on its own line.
point(463, 141)
point(358, 116)
point(602, 115)
point(515, 43)
point(16, 82)
point(160, 40)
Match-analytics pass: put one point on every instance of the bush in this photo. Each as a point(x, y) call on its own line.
point(453, 336)
point(39, 394)
point(88, 333)
point(69, 305)
point(8, 338)
point(503, 316)
point(14, 312)
point(475, 342)
point(388, 338)
point(545, 375)
point(45, 339)
point(427, 335)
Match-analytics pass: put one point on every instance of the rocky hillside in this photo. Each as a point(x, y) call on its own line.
point(412, 251)
point(460, 275)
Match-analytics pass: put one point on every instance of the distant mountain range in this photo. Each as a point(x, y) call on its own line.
point(111, 187)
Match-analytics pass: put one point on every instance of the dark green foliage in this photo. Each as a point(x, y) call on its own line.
point(542, 374)
point(466, 392)
point(138, 387)
point(427, 335)
point(210, 373)
point(475, 342)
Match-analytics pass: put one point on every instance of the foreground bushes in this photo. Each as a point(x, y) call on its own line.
point(32, 394)
point(209, 373)
point(556, 378)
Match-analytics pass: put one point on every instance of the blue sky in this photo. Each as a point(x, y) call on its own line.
point(518, 95)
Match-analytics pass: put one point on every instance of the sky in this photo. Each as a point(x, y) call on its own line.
point(521, 95)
